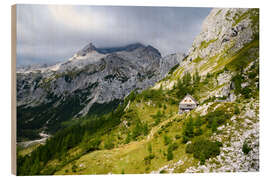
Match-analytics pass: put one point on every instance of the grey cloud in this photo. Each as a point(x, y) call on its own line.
point(45, 38)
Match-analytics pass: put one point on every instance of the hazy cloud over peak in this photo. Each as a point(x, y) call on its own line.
point(48, 34)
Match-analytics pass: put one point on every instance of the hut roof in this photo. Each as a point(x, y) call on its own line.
point(188, 95)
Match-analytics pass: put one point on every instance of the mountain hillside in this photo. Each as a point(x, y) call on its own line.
point(92, 82)
point(146, 134)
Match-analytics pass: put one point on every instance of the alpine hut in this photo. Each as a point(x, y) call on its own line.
point(188, 103)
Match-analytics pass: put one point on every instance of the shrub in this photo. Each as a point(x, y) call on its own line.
point(74, 168)
point(172, 101)
point(177, 136)
point(149, 148)
point(214, 125)
point(198, 131)
point(216, 118)
point(163, 171)
point(167, 140)
point(237, 79)
point(246, 92)
point(188, 128)
point(147, 159)
point(131, 96)
point(157, 117)
point(246, 148)
point(203, 149)
point(198, 121)
point(92, 145)
point(236, 110)
point(252, 74)
point(154, 95)
point(139, 129)
point(210, 99)
point(128, 138)
point(108, 144)
point(173, 146)
point(164, 107)
point(185, 139)
point(169, 154)
point(173, 68)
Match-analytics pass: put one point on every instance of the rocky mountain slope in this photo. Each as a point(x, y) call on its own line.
point(228, 47)
point(146, 134)
point(93, 81)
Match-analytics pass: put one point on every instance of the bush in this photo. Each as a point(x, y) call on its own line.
point(164, 107)
point(149, 148)
point(185, 139)
point(172, 101)
point(157, 117)
point(237, 80)
point(210, 99)
point(246, 92)
point(128, 138)
point(214, 125)
point(163, 171)
point(203, 149)
point(177, 136)
point(108, 144)
point(167, 140)
point(236, 110)
point(252, 74)
point(246, 148)
point(154, 95)
point(92, 145)
point(139, 129)
point(169, 154)
point(173, 146)
point(173, 69)
point(74, 168)
point(188, 128)
point(147, 159)
point(198, 131)
point(216, 118)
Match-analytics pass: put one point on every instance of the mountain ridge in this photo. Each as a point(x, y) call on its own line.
point(88, 79)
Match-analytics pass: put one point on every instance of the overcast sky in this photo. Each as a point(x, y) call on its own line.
point(49, 34)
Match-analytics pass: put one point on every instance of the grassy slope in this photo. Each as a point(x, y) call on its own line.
point(24, 151)
point(130, 157)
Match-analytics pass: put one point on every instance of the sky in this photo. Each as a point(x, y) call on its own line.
point(47, 34)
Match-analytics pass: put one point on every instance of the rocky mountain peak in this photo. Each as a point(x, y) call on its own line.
point(87, 49)
point(150, 48)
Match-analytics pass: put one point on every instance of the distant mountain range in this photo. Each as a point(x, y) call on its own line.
point(93, 81)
